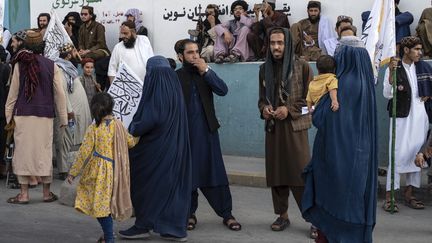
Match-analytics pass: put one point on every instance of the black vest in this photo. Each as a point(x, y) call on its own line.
point(205, 92)
point(403, 94)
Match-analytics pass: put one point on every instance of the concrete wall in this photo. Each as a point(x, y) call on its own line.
point(242, 130)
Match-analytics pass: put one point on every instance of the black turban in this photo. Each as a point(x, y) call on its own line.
point(241, 3)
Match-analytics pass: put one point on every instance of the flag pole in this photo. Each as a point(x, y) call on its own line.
point(393, 143)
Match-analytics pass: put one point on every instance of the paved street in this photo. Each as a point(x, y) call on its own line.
point(53, 222)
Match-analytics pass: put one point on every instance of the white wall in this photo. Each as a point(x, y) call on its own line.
point(165, 32)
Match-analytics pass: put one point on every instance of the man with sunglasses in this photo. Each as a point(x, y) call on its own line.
point(92, 43)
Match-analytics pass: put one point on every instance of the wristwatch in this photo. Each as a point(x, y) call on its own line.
point(207, 69)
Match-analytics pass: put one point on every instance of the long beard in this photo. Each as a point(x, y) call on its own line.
point(130, 43)
point(314, 20)
point(189, 66)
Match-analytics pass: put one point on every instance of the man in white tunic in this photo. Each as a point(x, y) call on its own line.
point(134, 50)
point(411, 123)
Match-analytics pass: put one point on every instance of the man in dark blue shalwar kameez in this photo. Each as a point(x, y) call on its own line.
point(199, 83)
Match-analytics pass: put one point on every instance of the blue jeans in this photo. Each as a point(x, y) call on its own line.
point(107, 227)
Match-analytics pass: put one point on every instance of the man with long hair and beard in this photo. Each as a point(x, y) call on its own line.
point(42, 21)
point(72, 23)
point(134, 50)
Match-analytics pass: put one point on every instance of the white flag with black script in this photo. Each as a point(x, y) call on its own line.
point(55, 37)
point(379, 33)
point(126, 91)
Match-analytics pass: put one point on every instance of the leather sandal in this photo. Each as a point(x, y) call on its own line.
point(16, 200)
point(232, 58)
point(52, 197)
point(414, 203)
point(219, 59)
point(387, 207)
point(235, 226)
point(192, 221)
point(280, 224)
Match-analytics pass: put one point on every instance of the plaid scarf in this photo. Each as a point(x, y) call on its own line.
point(30, 65)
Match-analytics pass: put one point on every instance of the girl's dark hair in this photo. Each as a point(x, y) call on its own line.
point(101, 105)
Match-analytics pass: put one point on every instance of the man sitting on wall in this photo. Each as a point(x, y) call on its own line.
point(231, 41)
point(257, 38)
point(309, 34)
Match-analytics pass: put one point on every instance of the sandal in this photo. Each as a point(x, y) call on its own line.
point(280, 224)
point(387, 207)
point(232, 58)
point(219, 59)
point(313, 233)
point(192, 222)
point(16, 200)
point(235, 226)
point(414, 203)
point(52, 197)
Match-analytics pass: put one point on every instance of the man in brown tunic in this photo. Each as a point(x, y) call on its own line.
point(305, 33)
point(257, 38)
point(424, 31)
point(92, 43)
point(283, 83)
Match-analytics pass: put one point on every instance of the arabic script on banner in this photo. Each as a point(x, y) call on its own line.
point(126, 91)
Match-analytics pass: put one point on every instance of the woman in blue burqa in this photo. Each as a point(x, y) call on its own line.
point(160, 163)
point(341, 178)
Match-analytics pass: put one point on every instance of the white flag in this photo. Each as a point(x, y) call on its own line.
point(126, 91)
point(379, 33)
point(55, 37)
point(2, 13)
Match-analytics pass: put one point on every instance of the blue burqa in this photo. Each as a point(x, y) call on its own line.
point(341, 178)
point(161, 161)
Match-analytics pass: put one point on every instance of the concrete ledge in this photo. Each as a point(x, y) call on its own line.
point(247, 179)
point(250, 171)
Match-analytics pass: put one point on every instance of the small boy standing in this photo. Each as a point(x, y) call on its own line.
point(323, 83)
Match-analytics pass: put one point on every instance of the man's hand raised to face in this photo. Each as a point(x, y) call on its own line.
point(201, 65)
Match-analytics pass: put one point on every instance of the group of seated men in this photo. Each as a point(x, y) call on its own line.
point(244, 38)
